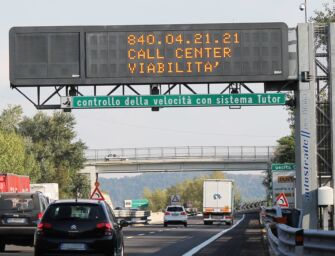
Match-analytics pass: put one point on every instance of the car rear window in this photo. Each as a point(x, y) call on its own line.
point(89, 212)
point(175, 209)
point(17, 202)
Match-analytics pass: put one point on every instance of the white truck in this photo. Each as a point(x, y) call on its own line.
point(50, 190)
point(218, 201)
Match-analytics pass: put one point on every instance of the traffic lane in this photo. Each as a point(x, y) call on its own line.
point(173, 240)
point(13, 250)
point(245, 239)
point(137, 239)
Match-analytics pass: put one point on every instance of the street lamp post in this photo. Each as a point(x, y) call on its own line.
point(303, 7)
point(305, 11)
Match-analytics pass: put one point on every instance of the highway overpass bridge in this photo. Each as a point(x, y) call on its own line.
point(177, 159)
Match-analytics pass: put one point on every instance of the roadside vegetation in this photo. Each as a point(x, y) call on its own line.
point(190, 192)
point(44, 148)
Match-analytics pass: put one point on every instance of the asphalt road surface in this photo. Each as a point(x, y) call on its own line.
point(245, 239)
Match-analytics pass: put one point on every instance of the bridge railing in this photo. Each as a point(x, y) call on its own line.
point(227, 152)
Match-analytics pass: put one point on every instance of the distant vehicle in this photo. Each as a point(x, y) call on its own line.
point(218, 201)
point(50, 190)
point(115, 157)
point(76, 227)
point(191, 211)
point(19, 215)
point(175, 214)
point(14, 183)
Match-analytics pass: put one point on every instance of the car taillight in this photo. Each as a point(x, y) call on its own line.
point(167, 213)
point(228, 217)
point(105, 226)
point(43, 226)
point(183, 213)
point(40, 215)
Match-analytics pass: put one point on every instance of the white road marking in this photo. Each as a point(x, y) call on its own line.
point(128, 237)
point(213, 238)
point(152, 232)
point(141, 234)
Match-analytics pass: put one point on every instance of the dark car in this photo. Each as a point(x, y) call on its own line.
point(79, 227)
point(19, 215)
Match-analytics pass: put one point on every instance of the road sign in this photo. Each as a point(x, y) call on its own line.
point(281, 200)
point(283, 182)
point(97, 195)
point(175, 199)
point(139, 203)
point(190, 100)
point(153, 54)
point(283, 167)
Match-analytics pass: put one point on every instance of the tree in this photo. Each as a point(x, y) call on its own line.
point(59, 157)
point(10, 118)
point(325, 16)
point(190, 192)
point(15, 154)
point(285, 151)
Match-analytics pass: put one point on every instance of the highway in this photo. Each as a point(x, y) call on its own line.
point(245, 239)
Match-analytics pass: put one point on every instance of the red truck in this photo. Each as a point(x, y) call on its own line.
point(14, 183)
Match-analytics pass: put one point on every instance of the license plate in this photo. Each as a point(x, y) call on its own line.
point(16, 220)
point(175, 214)
point(73, 246)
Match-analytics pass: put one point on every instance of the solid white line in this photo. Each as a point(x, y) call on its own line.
point(213, 238)
point(141, 234)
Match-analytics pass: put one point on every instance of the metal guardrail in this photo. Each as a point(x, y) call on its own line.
point(250, 206)
point(316, 242)
point(227, 152)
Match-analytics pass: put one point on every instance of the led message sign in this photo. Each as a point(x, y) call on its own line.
point(193, 100)
point(206, 53)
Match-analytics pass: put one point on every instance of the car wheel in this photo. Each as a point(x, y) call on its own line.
point(165, 224)
point(2, 246)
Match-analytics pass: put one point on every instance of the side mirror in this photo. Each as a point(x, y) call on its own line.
point(123, 223)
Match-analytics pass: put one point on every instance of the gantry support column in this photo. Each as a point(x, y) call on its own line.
point(305, 128)
point(331, 68)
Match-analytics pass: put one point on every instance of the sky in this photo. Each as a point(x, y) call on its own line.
point(128, 128)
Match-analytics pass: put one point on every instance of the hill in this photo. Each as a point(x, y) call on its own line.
point(250, 186)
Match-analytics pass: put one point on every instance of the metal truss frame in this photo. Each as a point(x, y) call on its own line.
point(323, 113)
point(45, 94)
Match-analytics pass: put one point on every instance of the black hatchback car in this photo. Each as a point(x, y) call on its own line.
point(20, 214)
point(79, 227)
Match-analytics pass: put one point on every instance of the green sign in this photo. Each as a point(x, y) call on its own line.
point(139, 203)
point(191, 100)
point(283, 167)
